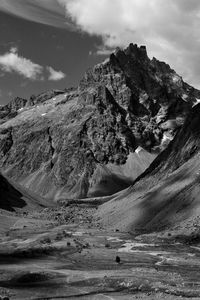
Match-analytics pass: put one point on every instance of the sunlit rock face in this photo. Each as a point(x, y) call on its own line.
point(81, 142)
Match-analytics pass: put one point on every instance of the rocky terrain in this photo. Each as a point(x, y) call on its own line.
point(99, 197)
point(81, 142)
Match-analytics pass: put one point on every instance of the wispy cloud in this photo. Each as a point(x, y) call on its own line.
point(55, 75)
point(47, 12)
point(12, 62)
point(101, 50)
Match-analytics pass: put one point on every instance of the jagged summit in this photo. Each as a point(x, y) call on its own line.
point(152, 94)
point(132, 50)
point(81, 142)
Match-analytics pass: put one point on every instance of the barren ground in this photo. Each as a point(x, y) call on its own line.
point(66, 255)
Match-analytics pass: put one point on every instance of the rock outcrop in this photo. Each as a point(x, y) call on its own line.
point(81, 142)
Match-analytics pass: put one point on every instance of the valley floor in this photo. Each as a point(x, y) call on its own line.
point(66, 255)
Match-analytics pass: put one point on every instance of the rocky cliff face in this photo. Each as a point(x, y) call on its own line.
point(81, 142)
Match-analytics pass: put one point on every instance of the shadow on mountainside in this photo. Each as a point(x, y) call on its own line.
point(9, 196)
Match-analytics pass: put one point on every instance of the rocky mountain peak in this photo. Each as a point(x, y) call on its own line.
point(149, 91)
point(133, 51)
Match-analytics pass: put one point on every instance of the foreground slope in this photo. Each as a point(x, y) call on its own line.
point(167, 195)
point(80, 143)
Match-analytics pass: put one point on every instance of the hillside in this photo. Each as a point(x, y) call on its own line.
point(167, 194)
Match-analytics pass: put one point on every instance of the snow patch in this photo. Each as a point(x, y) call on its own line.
point(197, 102)
point(176, 78)
point(43, 114)
point(184, 97)
point(166, 138)
point(138, 149)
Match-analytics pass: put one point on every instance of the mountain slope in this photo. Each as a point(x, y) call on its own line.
point(13, 197)
point(167, 195)
point(80, 142)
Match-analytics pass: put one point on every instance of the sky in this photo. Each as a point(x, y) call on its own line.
point(46, 44)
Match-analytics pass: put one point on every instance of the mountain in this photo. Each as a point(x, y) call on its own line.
point(81, 142)
point(167, 194)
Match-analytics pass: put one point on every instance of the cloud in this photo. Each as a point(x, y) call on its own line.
point(55, 75)
point(170, 29)
point(47, 12)
point(104, 51)
point(101, 50)
point(13, 49)
point(12, 62)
